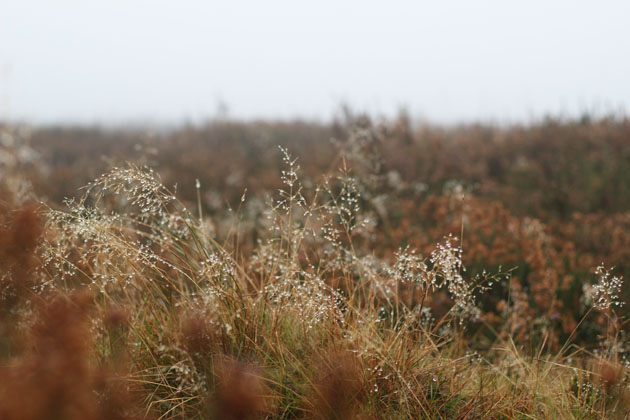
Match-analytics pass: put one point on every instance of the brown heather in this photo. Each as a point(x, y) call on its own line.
point(20, 232)
point(54, 378)
point(197, 333)
point(339, 389)
point(240, 393)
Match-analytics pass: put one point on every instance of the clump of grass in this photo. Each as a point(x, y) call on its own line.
point(132, 292)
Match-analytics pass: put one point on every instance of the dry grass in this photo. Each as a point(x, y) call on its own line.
point(130, 304)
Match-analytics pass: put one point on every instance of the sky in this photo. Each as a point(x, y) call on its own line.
point(126, 61)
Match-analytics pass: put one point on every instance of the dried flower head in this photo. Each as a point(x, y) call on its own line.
point(409, 268)
point(605, 293)
point(447, 263)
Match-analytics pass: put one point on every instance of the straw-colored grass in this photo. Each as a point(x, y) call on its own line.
point(127, 305)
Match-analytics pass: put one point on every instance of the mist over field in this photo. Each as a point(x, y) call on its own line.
point(448, 62)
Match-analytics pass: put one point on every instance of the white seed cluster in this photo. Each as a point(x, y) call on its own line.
point(605, 293)
point(447, 263)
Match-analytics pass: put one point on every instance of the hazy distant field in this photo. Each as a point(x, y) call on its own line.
point(358, 269)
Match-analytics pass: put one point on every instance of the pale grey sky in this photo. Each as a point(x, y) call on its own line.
point(447, 61)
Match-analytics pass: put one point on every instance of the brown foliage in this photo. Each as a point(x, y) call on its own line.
point(240, 392)
point(54, 377)
point(20, 231)
point(339, 387)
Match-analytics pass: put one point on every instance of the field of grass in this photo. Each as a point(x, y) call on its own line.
point(355, 270)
